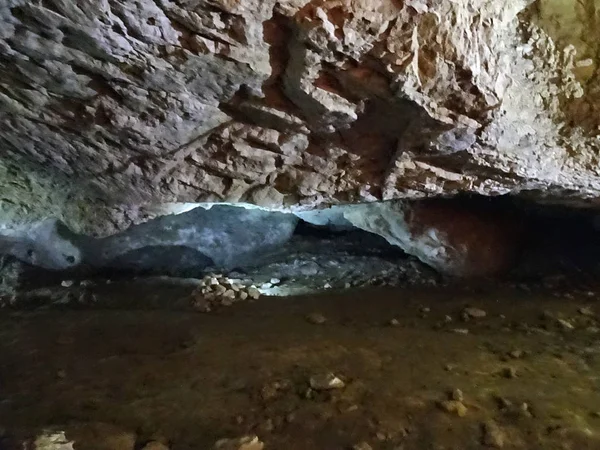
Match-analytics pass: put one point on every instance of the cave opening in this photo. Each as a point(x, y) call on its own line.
point(464, 239)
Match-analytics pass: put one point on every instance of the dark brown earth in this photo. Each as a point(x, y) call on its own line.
point(140, 366)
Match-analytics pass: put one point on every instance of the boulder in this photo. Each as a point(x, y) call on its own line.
point(457, 238)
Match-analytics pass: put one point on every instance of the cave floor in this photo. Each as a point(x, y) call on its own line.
point(138, 367)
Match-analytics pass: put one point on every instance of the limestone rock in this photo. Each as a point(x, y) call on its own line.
point(243, 443)
point(52, 441)
point(113, 113)
point(455, 239)
point(326, 382)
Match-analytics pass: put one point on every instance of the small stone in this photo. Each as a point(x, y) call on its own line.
point(67, 283)
point(52, 441)
point(565, 324)
point(155, 445)
point(394, 322)
point(219, 289)
point(516, 354)
point(459, 331)
point(316, 318)
point(447, 319)
point(381, 436)
point(243, 443)
point(586, 311)
point(62, 374)
point(266, 286)
point(362, 446)
point(326, 382)
point(86, 283)
point(242, 295)
point(275, 281)
point(503, 403)
point(524, 410)
point(509, 372)
point(253, 293)
point(347, 285)
point(267, 426)
point(425, 309)
point(453, 406)
point(212, 281)
point(493, 436)
point(475, 313)
point(230, 293)
point(327, 286)
point(457, 395)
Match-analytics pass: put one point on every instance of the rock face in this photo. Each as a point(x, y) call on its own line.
point(225, 236)
point(458, 239)
point(108, 109)
point(221, 236)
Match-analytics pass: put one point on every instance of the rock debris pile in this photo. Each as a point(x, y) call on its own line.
point(217, 290)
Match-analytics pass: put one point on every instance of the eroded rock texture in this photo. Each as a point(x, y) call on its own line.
point(110, 108)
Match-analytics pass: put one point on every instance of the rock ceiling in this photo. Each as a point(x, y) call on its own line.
point(109, 109)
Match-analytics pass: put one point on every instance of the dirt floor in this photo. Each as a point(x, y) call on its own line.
point(440, 368)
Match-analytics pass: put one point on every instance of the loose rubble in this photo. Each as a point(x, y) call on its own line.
point(216, 290)
point(453, 406)
point(243, 443)
point(325, 382)
point(316, 318)
point(493, 436)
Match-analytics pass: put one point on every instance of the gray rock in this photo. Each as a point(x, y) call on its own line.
point(230, 236)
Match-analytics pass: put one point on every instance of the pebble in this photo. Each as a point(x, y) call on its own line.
point(362, 446)
point(565, 324)
point(316, 318)
point(219, 289)
point(67, 283)
point(516, 354)
point(394, 322)
point(459, 331)
point(242, 295)
point(454, 406)
point(347, 285)
point(457, 395)
point(493, 436)
point(509, 372)
point(230, 293)
point(243, 443)
point(155, 445)
point(524, 410)
point(474, 313)
point(327, 286)
point(586, 311)
point(253, 293)
point(275, 281)
point(503, 403)
point(326, 382)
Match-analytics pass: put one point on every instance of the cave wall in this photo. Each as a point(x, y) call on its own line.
point(110, 109)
